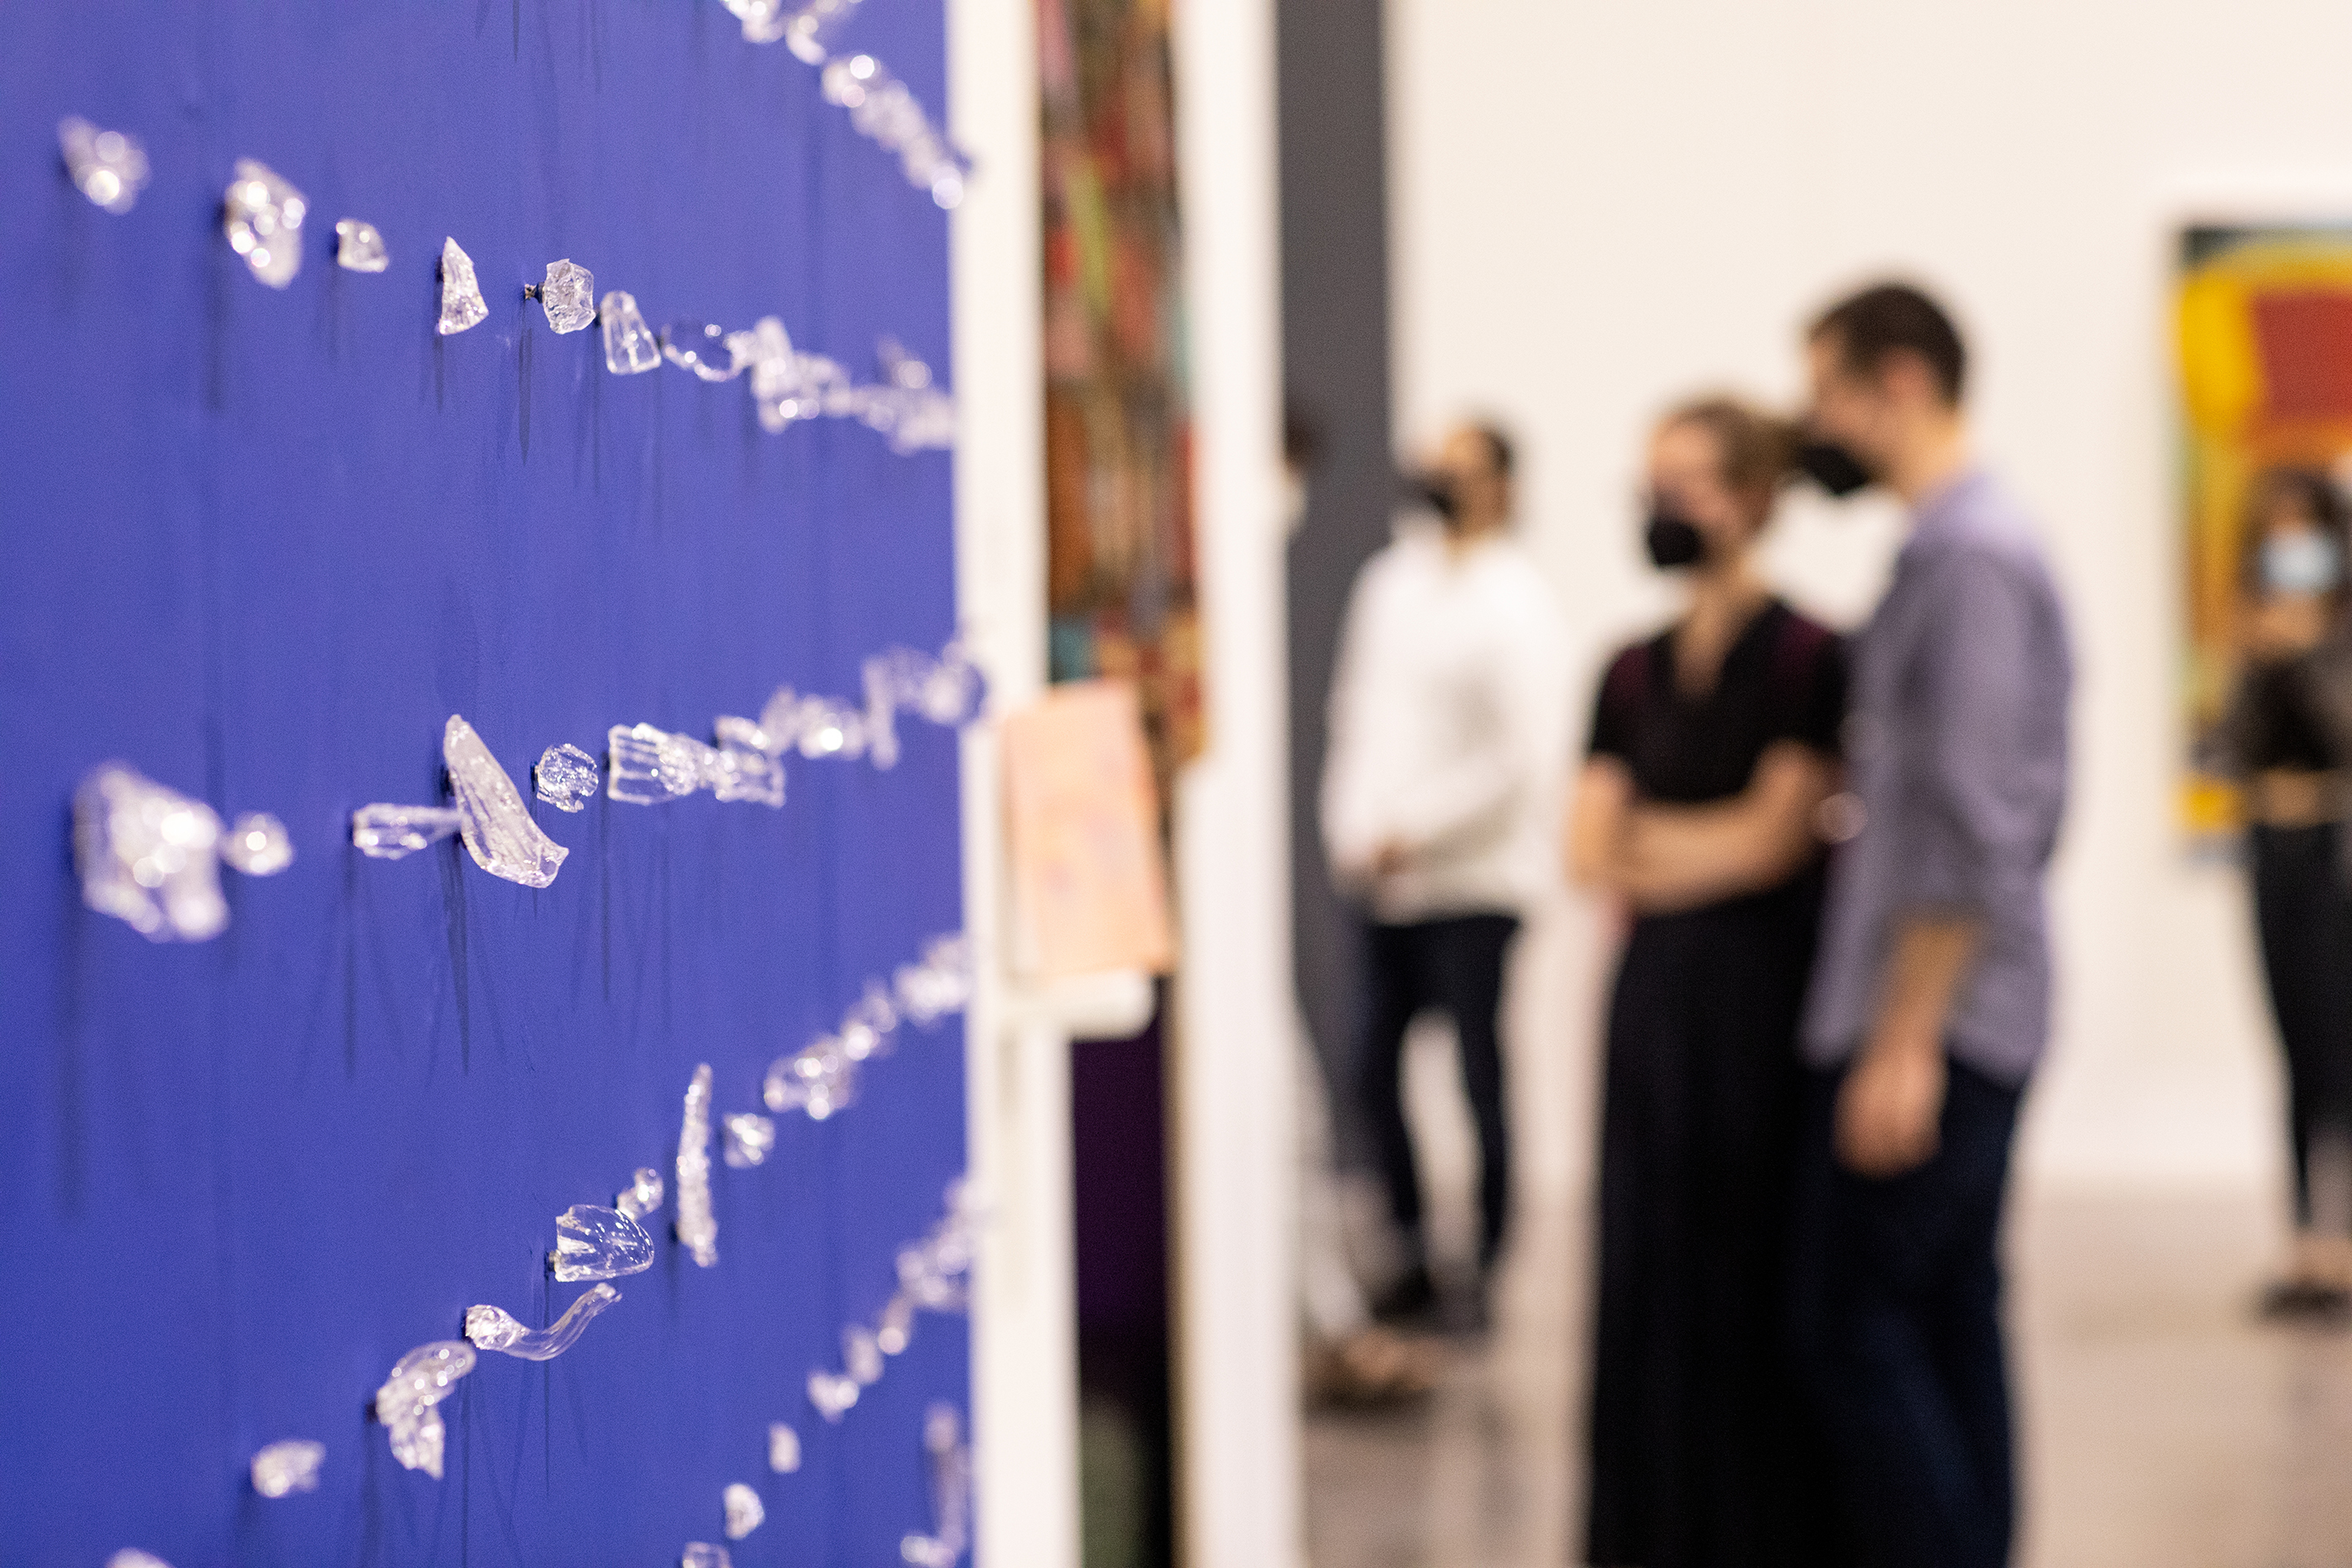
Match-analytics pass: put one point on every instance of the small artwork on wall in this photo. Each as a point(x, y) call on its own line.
point(2262, 331)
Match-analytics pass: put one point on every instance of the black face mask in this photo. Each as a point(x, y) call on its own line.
point(1434, 491)
point(1834, 468)
point(1675, 542)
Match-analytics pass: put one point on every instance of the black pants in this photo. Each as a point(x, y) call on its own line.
point(1456, 966)
point(2303, 912)
point(1897, 1323)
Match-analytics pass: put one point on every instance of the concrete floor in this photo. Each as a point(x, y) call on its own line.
point(2162, 1429)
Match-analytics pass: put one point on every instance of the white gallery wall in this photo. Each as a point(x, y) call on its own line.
point(1598, 208)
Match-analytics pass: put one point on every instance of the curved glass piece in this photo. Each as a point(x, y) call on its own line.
point(283, 1469)
point(405, 1403)
point(697, 1227)
point(707, 350)
point(499, 832)
point(493, 1328)
point(784, 1449)
point(594, 1243)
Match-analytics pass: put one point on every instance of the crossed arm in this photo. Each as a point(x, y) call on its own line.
point(1660, 859)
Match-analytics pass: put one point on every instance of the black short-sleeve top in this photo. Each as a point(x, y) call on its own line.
point(1784, 678)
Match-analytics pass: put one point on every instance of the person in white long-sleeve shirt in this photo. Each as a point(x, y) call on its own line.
point(1446, 722)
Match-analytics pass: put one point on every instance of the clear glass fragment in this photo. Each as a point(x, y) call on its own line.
point(388, 833)
point(629, 346)
point(702, 1554)
point(742, 771)
point(131, 1557)
point(149, 856)
point(652, 766)
point(763, 20)
point(697, 1227)
point(745, 1512)
point(257, 844)
point(940, 984)
point(462, 304)
point(883, 110)
point(405, 1403)
point(950, 1466)
point(810, 30)
point(499, 833)
point(568, 295)
point(109, 167)
point(833, 1395)
point(566, 777)
point(358, 247)
point(896, 1327)
point(784, 1449)
point(710, 352)
point(262, 216)
point(642, 1195)
point(749, 1139)
point(596, 1243)
point(951, 1463)
point(283, 1469)
point(935, 1273)
point(861, 1356)
point(493, 1328)
point(819, 1079)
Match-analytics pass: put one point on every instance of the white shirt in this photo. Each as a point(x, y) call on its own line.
point(1448, 715)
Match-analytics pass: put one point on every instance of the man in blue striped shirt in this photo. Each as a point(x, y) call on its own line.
point(1930, 1003)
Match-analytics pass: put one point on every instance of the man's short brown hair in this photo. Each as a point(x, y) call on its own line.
point(1889, 318)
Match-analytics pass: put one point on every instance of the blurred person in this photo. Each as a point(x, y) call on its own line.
point(1714, 747)
point(1930, 1002)
point(1436, 806)
point(1347, 1358)
point(2287, 737)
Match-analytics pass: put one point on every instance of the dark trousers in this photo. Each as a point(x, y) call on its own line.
point(1455, 965)
point(2303, 913)
point(1897, 1323)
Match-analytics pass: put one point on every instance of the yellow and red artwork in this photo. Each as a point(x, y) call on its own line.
point(2263, 322)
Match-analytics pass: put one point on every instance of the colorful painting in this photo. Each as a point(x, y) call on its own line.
point(2263, 331)
point(1118, 416)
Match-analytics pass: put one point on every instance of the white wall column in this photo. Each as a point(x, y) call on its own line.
point(1235, 1121)
point(1024, 1305)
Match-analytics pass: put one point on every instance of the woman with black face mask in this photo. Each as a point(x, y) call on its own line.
point(1713, 759)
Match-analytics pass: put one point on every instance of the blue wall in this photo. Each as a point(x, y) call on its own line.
point(260, 544)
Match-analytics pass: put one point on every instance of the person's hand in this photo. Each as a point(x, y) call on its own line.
point(1891, 1106)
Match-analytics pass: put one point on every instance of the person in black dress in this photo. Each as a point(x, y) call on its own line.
point(1713, 760)
point(2287, 740)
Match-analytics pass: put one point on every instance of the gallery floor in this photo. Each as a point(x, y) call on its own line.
point(2163, 1427)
